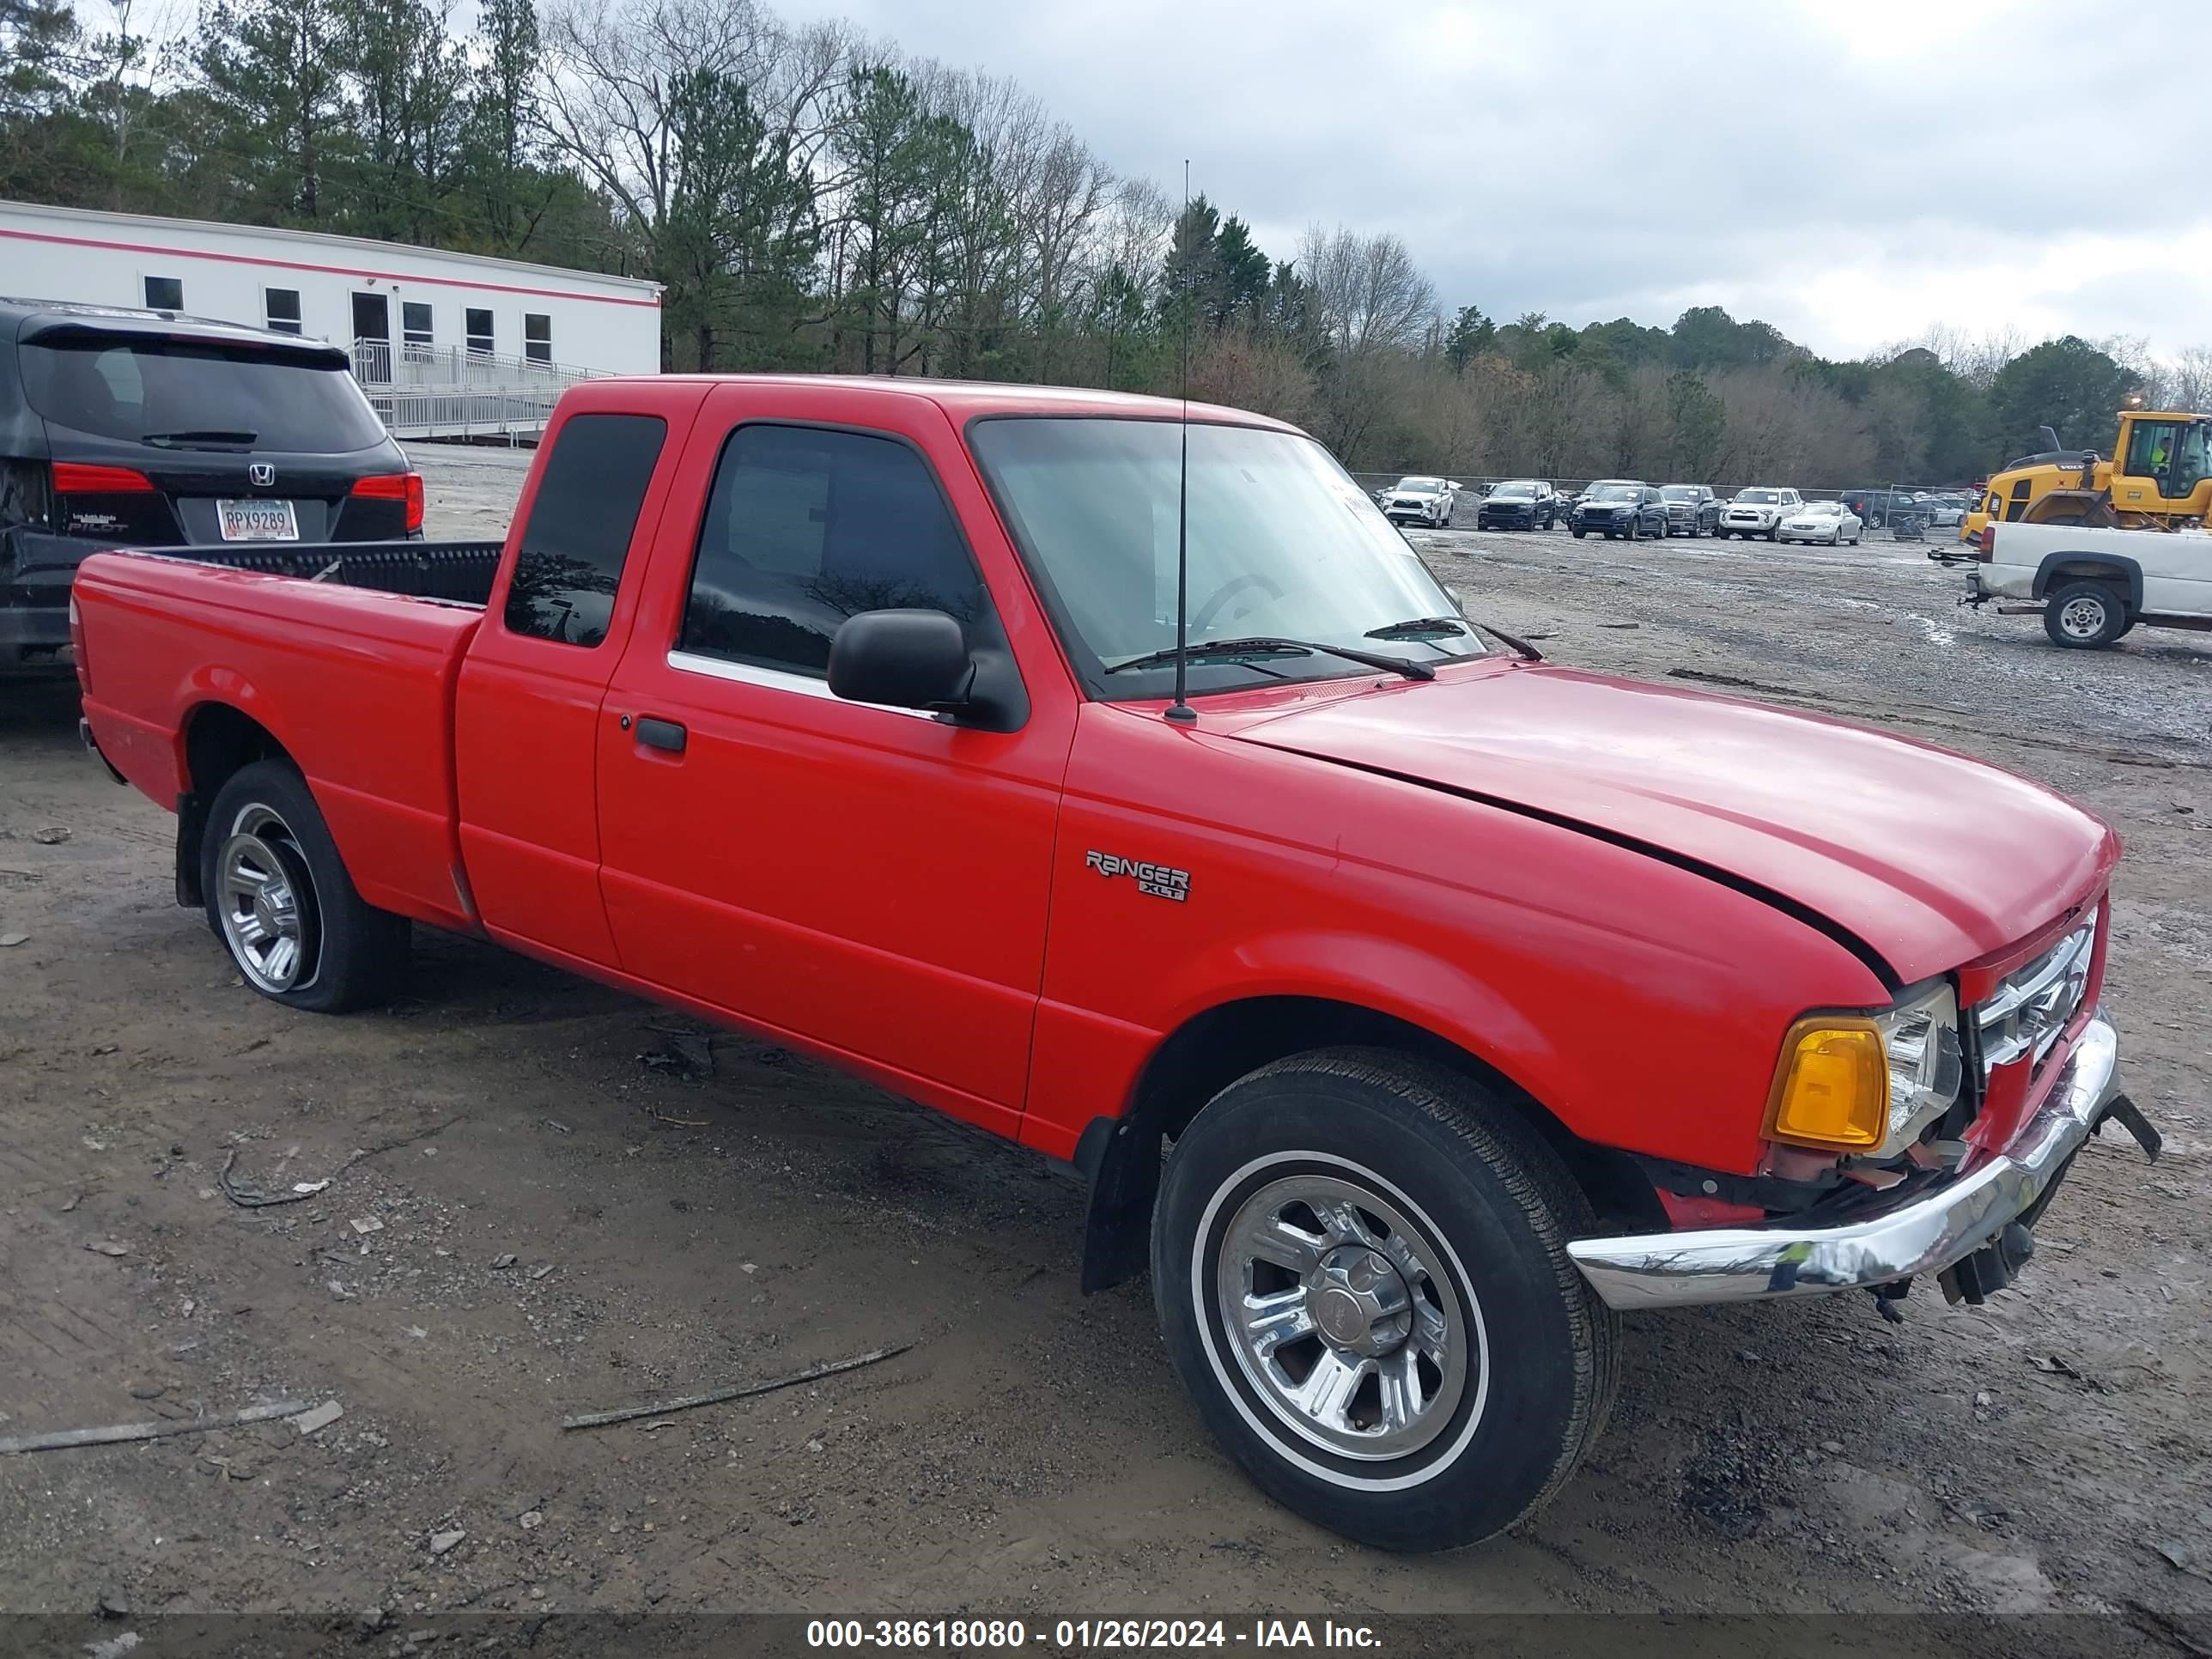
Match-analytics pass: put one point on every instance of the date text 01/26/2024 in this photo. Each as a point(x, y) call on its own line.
point(1086, 1635)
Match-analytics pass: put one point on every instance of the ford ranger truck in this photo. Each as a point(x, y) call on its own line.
point(1412, 1006)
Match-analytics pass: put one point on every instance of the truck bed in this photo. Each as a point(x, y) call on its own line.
point(459, 572)
point(353, 680)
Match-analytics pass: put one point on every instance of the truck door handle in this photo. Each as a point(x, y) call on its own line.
point(661, 735)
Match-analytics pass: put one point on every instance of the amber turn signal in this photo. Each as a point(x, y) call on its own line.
point(1831, 1088)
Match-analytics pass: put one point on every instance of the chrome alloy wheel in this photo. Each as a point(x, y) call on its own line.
point(267, 904)
point(1342, 1316)
point(2082, 617)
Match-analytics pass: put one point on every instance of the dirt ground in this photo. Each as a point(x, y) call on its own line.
point(540, 1202)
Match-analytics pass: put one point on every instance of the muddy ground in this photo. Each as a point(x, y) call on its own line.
point(526, 1219)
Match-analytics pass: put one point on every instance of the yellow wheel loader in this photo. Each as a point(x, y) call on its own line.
point(2160, 478)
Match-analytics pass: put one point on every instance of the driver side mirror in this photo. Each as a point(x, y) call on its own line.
point(906, 659)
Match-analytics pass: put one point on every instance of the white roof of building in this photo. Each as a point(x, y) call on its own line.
point(316, 250)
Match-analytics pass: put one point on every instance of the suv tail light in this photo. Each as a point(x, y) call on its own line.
point(1985, 544)
point(74, 478)
point(396, 487)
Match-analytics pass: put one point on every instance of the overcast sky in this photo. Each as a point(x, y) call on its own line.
point(1851, 171)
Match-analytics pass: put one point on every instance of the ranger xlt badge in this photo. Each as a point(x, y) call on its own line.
point(1160, 880)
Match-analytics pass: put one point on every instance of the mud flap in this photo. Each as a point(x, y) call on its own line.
point(191, 826)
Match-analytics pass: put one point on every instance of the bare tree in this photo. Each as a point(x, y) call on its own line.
point(1265, 375)
point(1373, 296)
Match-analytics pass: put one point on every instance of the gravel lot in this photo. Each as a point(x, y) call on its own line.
point(664, 1232)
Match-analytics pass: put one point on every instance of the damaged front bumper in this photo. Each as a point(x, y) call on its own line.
point(1926, 1234)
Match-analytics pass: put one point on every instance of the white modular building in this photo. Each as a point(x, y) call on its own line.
point(445, 344)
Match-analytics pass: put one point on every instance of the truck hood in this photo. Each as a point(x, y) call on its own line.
point(1926, 859)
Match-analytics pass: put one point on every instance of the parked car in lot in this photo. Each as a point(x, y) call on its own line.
point(1758, 511)
point(1518, 504)
point(2091, 585)
point(1692, 509)
point(1947, 511)
point(1421, 501)
point(1878, 507)
point(1821, 521)
point(1479, 998)
point(140, 428)
point(1617, 507)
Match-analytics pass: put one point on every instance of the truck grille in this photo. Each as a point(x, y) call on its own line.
point(2032, 1005)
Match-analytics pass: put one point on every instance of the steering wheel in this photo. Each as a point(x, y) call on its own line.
point(1221, 596)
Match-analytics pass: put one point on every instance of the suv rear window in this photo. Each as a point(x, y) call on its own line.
point(134, 389)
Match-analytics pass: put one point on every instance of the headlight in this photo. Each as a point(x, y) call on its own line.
point(1927, 1062)
point(1867, 1085)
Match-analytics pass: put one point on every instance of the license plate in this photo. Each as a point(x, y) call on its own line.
point(257, 521)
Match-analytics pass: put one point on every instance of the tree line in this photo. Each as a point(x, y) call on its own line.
point(811, 198)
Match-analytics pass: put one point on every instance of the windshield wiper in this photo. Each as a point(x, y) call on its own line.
point(1202, 648)
point(1420, 628)
point(169, 438)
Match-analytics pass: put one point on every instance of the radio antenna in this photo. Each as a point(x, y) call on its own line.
point(1179, 710)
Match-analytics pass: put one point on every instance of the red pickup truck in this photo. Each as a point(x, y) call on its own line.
point(1412, 1006)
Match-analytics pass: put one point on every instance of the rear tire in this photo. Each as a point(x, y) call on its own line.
point(1408, 1236)
point(279, 898)
point(2084, 616)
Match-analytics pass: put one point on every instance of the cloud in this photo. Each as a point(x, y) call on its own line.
point(1850, 173)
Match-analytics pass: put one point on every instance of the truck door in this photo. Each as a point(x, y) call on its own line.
point(870, 882)
point(527, 708)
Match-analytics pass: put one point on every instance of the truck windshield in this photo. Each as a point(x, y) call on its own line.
point(181, 392)
point(1282, 543)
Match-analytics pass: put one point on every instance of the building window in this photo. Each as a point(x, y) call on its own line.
point(414, 323)
point(538, 337)
point(479, 330)
point(165, 293)
point(280, 309)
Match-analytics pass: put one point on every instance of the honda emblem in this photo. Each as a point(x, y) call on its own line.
point(262, 473)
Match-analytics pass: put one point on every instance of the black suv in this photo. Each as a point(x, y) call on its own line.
point(122, 428)
point(1518, 504)
point(1618, 507)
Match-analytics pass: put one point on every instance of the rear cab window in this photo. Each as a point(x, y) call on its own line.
point(572, 548)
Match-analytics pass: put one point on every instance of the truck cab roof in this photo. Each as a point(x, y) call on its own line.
point(962, 400)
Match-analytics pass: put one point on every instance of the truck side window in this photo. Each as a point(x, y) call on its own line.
point(570, 558)
point(806, 526)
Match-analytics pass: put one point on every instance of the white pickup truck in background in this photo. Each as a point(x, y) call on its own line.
point(2091, 585)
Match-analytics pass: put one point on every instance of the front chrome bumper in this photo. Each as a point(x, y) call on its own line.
point(1924, 1235)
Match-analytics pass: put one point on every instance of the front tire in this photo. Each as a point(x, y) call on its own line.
point(1360, 1264)
point(2084, 617)
point(279, 898)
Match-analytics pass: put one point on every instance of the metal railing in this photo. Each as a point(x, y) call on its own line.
point(448, 392)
